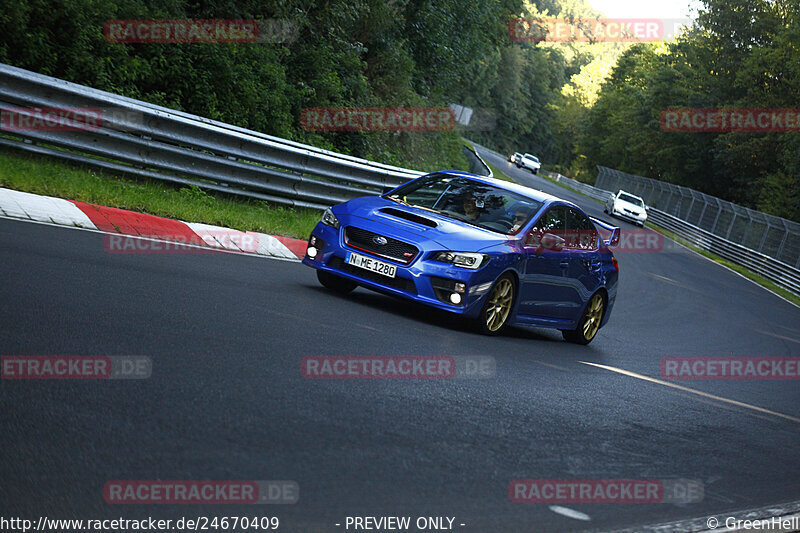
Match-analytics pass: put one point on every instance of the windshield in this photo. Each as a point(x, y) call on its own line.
point(631, 199)
point(470, 201)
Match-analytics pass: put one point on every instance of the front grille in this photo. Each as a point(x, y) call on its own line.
point(405, 285)
point(395, 250)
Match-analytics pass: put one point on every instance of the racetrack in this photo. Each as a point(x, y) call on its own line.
point(226, 400)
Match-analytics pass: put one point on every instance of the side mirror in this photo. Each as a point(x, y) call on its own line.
point(549, 241)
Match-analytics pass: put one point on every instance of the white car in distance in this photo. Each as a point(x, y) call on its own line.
point(531, 162)
point(627, 206)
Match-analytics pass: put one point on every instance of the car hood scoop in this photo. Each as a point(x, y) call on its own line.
point(411, 217)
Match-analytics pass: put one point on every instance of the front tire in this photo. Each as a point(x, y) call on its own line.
point(498, 307)
point(335, 283)
point(589, 323)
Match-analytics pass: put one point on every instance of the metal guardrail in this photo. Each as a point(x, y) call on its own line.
point(583, 188)
point(155, 142)
point(784, 275)
point(486, 170)
point(767, 234)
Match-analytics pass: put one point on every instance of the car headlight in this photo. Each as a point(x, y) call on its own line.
point(462, 259)
point(330, 219)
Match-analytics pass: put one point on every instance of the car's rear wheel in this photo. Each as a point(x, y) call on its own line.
point(589, 322)
point(499, 304)
point(335, 283)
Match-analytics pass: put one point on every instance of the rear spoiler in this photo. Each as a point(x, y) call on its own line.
point(614, 239)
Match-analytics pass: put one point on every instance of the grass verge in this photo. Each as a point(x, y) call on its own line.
point(44, 175)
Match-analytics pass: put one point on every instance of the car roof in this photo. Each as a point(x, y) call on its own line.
point(631, 194)
point(534, 194)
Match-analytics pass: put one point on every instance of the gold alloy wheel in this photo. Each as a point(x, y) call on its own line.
point(499, 304)
point(594, 313)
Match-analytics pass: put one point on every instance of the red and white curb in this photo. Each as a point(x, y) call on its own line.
point(27, 206)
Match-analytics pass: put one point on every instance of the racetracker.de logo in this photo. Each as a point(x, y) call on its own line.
point(75, 367)
point(731, 368)
point(201, 492)
point(205, 241)
point(564, 30)
point(377, 119)
point(51, 119)
point(627, 241)
point(605, 491)
point(397, 367)
point(683, 120)
point(181, 31)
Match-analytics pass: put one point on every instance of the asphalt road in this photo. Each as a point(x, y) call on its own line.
point(226, 400)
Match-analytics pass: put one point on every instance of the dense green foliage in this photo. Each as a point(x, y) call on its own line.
point(343, 53)
point(740, 54)
point(576, 105)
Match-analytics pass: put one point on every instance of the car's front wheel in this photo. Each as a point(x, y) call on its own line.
point(335, 283)
point(589, 322)
point(499, 304)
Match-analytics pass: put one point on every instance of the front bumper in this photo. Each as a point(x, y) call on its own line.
point(631, 217)
point(424, 280)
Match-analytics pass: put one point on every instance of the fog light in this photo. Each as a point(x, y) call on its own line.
point(461, 287)
point(455, 298)
point(311, 252)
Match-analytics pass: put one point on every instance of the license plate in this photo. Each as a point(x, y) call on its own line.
point(373, 265)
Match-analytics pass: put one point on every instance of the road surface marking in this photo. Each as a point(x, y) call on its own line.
point(569, 513)
point(693, 391)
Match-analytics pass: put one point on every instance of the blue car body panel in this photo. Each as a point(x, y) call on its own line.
point(553, 287)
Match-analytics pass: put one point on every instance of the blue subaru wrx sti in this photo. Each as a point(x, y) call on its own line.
point(493, 251)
